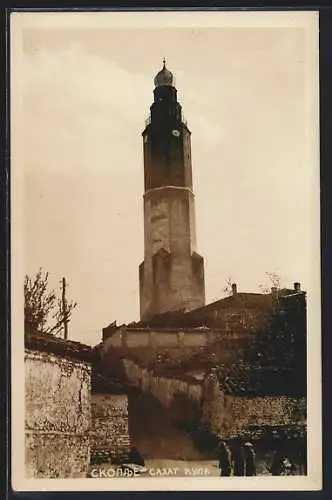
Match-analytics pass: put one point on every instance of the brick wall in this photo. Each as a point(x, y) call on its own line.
point(57, 415)
point(110, 432)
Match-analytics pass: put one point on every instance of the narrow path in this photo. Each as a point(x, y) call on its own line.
point(154, 434)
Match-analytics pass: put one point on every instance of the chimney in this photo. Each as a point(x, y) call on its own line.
point(297, 287)
point(234, 288)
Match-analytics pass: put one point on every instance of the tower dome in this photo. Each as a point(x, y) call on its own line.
point(164, 77)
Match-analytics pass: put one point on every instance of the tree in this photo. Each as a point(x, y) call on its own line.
point(281, 341)
point(228, 290)
point(44, 311)
point(275, 281)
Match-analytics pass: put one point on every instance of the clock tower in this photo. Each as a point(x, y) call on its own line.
point(172, 273)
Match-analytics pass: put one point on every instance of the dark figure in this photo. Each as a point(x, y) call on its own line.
point(249, 457)
point(238, 458)
point(289, 466)
point(135, 457)
point(224, 460)
point(303, 457)
point(278, 467)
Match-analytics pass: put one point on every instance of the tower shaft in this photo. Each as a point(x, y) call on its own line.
point(172, 273)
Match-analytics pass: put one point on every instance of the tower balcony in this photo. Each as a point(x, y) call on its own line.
point(148, 120)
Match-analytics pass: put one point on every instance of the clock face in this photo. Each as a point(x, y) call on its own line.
point(176, 133)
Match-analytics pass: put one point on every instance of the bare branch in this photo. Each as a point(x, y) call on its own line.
point(274, 279)
point(228, 288)
point(43, 311)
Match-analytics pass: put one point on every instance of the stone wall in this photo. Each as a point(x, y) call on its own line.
point(57, 415)
point(110, 432)
point(228, 415)
point(126, 337)
point(182, 397)
point(172, 274)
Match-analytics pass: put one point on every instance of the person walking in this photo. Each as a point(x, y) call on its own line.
point(237, 459)
point(278, 467)
point(249, 457)
point(135, 457)
point(224, 459)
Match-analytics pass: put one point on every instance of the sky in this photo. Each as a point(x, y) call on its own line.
point(86, 92)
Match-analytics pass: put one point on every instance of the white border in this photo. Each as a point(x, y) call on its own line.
point(308, 20)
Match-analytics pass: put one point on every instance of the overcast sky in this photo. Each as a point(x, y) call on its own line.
point(87, 92)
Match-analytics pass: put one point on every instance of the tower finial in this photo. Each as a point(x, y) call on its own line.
point(164, 76)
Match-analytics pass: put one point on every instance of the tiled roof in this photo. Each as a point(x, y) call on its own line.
point(103, 384)
point(247, 300)
point(253, 380)
point(67, 348)
point(257, 301)
point(240, 299)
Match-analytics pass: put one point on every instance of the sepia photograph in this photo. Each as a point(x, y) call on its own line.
point(165, 244)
